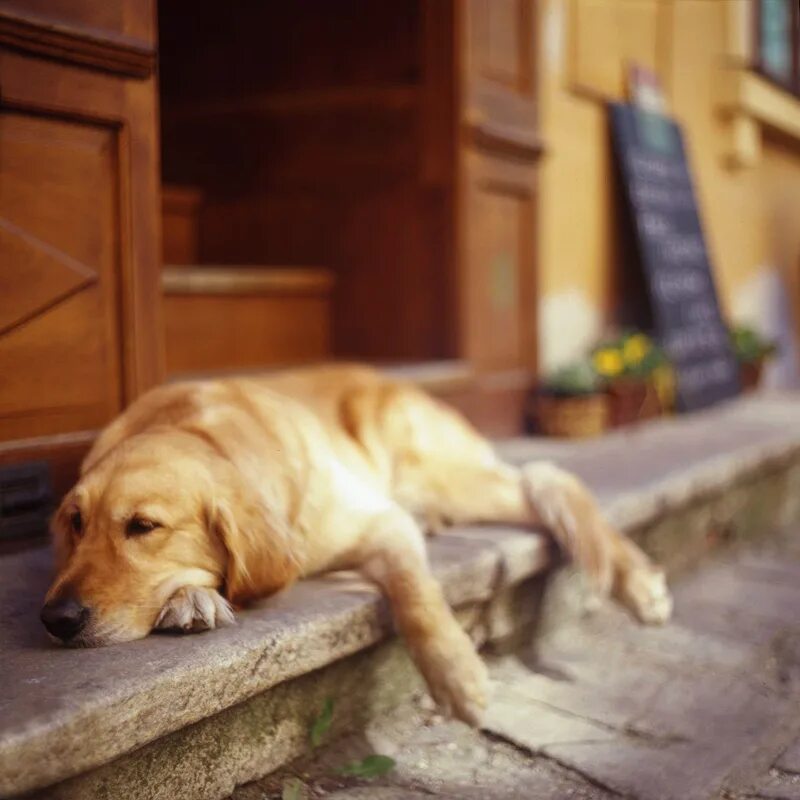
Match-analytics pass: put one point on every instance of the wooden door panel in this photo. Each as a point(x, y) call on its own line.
point(59, 338)
point(505, 53)
point(35, 275)
point(56, 372)
point(499, 299)
point(499, 40)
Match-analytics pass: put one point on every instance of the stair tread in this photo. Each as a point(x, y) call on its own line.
point(249, 279)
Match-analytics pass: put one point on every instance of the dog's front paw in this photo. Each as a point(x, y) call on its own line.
point(195, 608)
point(644, 591)
point(457, 678)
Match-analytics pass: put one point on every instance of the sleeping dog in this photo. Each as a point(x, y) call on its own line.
point(205, 496)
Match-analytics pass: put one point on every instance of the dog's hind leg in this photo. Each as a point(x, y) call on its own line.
point(539, 493)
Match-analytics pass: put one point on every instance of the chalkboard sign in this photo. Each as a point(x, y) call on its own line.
point(658, 187)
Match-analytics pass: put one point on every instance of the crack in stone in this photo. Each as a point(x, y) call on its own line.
point(789, 773)
point(632, 729)
point(758, 796)
point(529, 752)
point(629, 729)
point(262, 657)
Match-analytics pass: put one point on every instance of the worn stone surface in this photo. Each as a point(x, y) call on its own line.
point(127, 695)
point(209, 758)
point(686, 714)
point(63, 712)
point(433, 757)
point(640, 471)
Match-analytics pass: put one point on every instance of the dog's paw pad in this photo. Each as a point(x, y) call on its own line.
point(195, 608)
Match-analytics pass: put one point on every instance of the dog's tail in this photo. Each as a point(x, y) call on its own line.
point(612, 563)
point(566, 507)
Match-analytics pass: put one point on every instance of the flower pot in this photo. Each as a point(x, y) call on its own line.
point(632, 400)
point(571, 416)
point(750, 374)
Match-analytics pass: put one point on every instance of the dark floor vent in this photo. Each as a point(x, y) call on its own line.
point(26, 500)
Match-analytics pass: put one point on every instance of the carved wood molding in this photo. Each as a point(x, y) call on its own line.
point(504, 139)
point(38, 276)
point(107, 52)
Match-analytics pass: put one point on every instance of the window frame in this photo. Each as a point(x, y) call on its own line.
point(793, 84)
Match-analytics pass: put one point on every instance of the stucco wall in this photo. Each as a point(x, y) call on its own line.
point(696, 46)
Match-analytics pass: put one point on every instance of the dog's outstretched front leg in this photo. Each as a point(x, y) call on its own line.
point(195, 608)
point(393, 555)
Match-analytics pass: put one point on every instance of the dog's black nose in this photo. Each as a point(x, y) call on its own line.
point(64, 618)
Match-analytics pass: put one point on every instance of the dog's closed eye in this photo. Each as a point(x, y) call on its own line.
point(137, 526)
point(76, 522)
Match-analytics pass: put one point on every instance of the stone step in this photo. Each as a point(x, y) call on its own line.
point(194, 716)
point(705, 707)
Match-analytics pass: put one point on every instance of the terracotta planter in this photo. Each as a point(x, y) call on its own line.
point(571, 416)
point(750, 374)
point(631, 401)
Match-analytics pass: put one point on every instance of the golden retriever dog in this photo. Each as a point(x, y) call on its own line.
point(205, 496)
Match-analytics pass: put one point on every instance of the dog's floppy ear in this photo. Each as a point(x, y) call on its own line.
point(259, 558)
point(247, 508)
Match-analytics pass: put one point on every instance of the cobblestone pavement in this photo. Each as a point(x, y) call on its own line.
point(706, 707)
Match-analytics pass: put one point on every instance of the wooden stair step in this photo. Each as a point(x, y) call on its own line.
point(232, 318)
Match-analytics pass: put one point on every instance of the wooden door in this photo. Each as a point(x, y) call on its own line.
point(79, 247)
point(498, 146)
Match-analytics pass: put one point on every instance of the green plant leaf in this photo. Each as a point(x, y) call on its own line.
point(322, 723)
point(576, 378)
point(293, 789)
point(371, 767)
point(749, 344)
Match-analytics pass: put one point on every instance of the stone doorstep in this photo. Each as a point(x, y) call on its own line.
point(64, 712)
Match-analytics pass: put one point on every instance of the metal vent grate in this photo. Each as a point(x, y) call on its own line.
point(26, 500)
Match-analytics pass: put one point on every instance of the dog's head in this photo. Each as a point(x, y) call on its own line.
point(160, 512)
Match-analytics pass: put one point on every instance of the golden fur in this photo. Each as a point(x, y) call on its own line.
point(254, 483)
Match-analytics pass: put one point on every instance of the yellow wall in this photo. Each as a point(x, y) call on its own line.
point(743, 177)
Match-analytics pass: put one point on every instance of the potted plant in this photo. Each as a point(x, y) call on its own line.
point(572, 402)
point(752, 351)
point(639, 378)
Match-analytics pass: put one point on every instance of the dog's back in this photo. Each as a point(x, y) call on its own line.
point(370, 420)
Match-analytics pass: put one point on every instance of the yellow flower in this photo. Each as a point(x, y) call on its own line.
point(608, 362)
point(636, 348)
